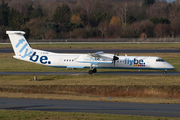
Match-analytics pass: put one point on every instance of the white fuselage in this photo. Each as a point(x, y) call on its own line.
point(87, 61)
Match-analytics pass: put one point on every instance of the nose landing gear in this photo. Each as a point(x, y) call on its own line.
point(92, 71)
point(165, 71)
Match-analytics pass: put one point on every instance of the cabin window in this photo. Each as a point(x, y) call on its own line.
point(159, 60)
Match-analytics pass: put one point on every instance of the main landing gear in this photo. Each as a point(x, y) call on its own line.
point(92, 71)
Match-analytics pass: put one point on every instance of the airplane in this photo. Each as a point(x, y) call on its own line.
point(94, 61)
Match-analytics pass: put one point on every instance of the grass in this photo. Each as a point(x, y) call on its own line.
point(102, 46)
point(42, 115)
point(89, 80)
point(140, 89)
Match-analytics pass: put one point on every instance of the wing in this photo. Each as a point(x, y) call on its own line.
point(97, 54)
point(95, 58)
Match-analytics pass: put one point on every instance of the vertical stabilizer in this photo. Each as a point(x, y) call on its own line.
point(19, 44)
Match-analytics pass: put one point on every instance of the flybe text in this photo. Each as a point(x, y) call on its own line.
point(42, 59)
point(135, 61)
point(27, 52)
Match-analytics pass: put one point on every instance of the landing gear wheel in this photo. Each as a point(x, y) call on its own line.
point(90, 71)
point(165, 72)
point(94, 70)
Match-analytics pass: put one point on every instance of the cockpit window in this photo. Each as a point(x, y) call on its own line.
point(159, 60)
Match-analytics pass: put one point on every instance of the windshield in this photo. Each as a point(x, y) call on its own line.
point(159, 60)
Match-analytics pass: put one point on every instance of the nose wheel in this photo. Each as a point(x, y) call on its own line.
point(165, 71)
point(92, 71)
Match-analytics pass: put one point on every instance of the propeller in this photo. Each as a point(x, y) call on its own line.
point(115, 58)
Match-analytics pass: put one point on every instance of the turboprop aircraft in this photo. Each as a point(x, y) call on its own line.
point(94, 61)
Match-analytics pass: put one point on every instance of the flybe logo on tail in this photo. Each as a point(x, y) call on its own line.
point(26, 53)
point(34, 57)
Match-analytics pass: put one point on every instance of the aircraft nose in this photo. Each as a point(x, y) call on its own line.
point(170, 66)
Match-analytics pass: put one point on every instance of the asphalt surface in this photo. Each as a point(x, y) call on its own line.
point(86, 73)
point(168, 110)
point(105, 50)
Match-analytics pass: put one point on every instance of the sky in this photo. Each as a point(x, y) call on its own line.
point(170, 0)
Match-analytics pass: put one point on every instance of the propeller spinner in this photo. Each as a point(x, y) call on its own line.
point(115, 58)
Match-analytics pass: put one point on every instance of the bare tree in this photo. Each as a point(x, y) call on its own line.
point(172, 15)
point(37, 28)
point(149, 11)
point(158, 9)
point(140, 3)
point(20, 5)
point(136, 29)
point(175, 27)
point(51, 34)
point(49, 7)
point(103, 27)
point(114, 30)
point(177, 1)
point(77, 33)
point(146, 26)
point(122, 12)
point(88, 6)
point(161, 30)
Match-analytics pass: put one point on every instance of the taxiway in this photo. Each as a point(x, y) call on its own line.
point(167, 110)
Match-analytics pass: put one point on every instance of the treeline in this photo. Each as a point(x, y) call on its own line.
point(54, 19)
